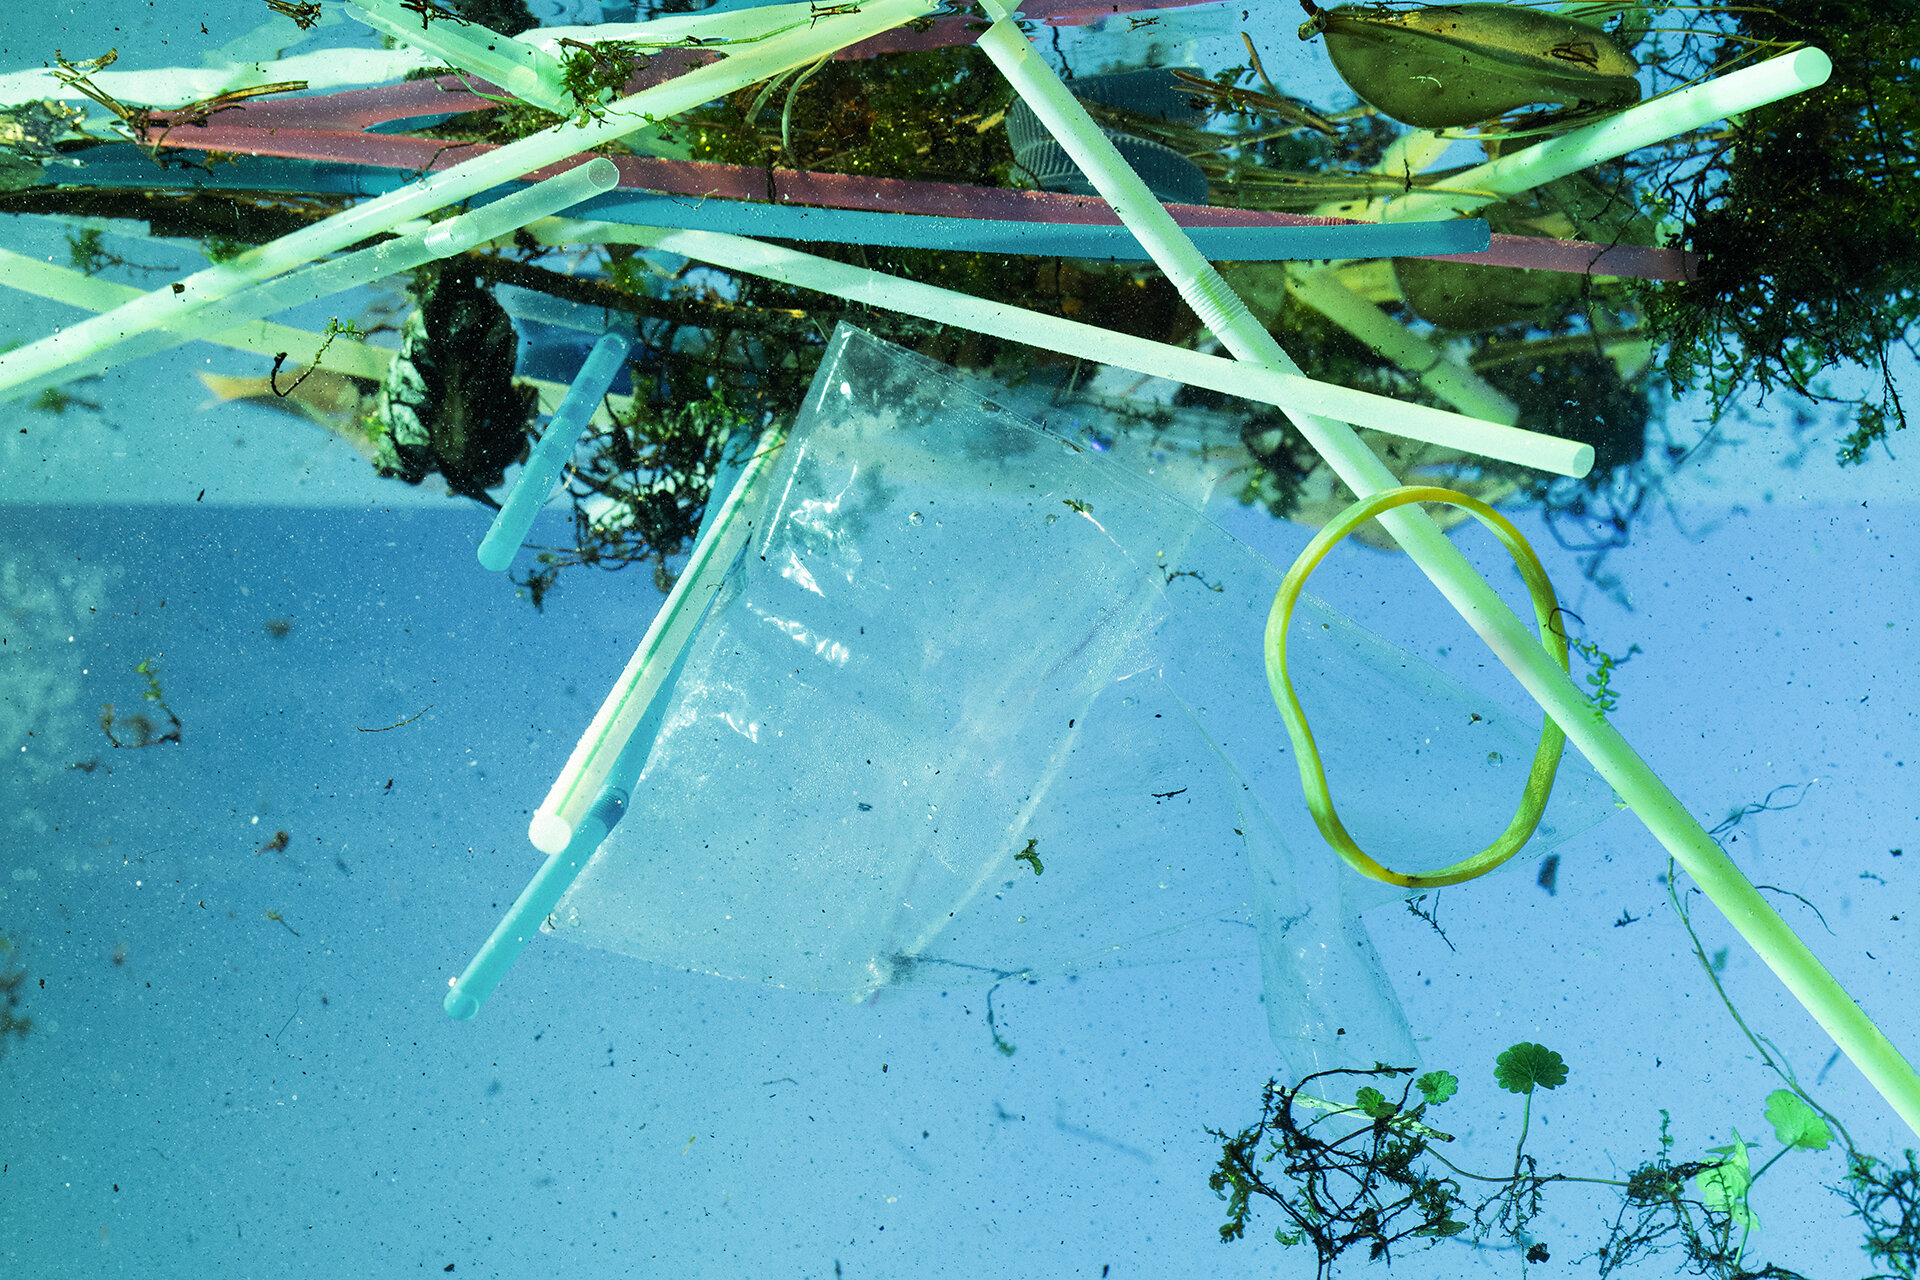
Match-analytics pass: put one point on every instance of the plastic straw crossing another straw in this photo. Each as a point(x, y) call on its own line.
point(456, 235)
point(1782, 950)
point(165, 307)
point(574, 792)
point(1484, 436)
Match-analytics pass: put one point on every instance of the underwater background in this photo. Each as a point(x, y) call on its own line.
point(234, 946)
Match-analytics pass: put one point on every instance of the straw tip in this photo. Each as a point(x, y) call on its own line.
point(549, 832)
point(460, 1006)
point(1811, 67)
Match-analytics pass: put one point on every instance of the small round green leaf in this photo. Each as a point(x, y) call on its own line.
point(1438, 1086)
point(1525, 1065)
point(1374, 1103)
point(1795, 1123)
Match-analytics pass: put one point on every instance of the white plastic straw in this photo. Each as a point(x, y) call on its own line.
point(1636, 127)
point(163, 307)
point(525, 71)
point(1771, 938)
point(1489, 438)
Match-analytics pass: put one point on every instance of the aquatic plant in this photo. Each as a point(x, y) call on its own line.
point(1369, 1186)
point(1804, 215)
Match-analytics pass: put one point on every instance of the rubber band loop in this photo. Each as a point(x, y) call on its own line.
point(1313, 778)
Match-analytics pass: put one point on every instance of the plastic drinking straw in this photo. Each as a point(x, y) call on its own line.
point(536, 901)
point(592, 763)
point(556, 445)
point(1636, 127)
point(527, 72)
point(1227, 316)
point(509, 938)
point(63, 284)
point(1421, 360)
point(1491, 439)
point(915, 231)
point(450, 186)
point(191, 84)
point(502, 217)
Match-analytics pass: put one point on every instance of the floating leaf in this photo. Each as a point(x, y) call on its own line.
point(1795, 1123)
point(1525, 1065)
point(1438, 1086)
point(1725, 1188)
point(1440, 66)
point(1374, 1103)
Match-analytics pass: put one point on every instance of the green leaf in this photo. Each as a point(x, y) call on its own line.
point(1374, 1103)
point(1525, 1065)
point(1795, 1123)
point(1725, 1188)
point(1438, 1086)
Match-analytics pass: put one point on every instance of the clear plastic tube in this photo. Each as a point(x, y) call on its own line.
point(527, 72)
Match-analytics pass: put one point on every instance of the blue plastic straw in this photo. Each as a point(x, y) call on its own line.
point(509, 938)
point(1044, 239)
point(130, 167)
point(531, 490)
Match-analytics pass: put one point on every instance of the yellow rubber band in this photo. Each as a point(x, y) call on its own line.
point(1313, 778)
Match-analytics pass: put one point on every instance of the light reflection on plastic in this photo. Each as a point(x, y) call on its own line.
point(796, 573)
point(824, 648)
point(750, 731)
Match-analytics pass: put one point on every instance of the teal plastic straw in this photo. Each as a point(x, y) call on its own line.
point(509, 938)
point(556, 445)
point(172, 304)
point(536, 901)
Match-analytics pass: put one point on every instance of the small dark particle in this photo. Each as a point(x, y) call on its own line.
point(1549, 872)
point(278, 628)
point(203, 493)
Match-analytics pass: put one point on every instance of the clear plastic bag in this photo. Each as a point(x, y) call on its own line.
point(977, 702)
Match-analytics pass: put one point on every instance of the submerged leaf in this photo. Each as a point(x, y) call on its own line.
point(1442, 66)
point(1526, 1065)
point(1795, 1123)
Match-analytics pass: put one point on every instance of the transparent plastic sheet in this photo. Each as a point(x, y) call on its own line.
point(954, 633)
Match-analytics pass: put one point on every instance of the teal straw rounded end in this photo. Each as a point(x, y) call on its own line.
point(460, 1005)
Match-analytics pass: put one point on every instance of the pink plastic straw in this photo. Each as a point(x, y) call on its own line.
point(329, 128)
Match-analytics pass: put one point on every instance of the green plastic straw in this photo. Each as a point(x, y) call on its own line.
point(1642, 126)
point(589, 767)
point(456, 235)
point(1489, 438)
point(1427, 364)
point(526, 72)
point(556, 445)
point(1227, 316)
point(168, 306)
